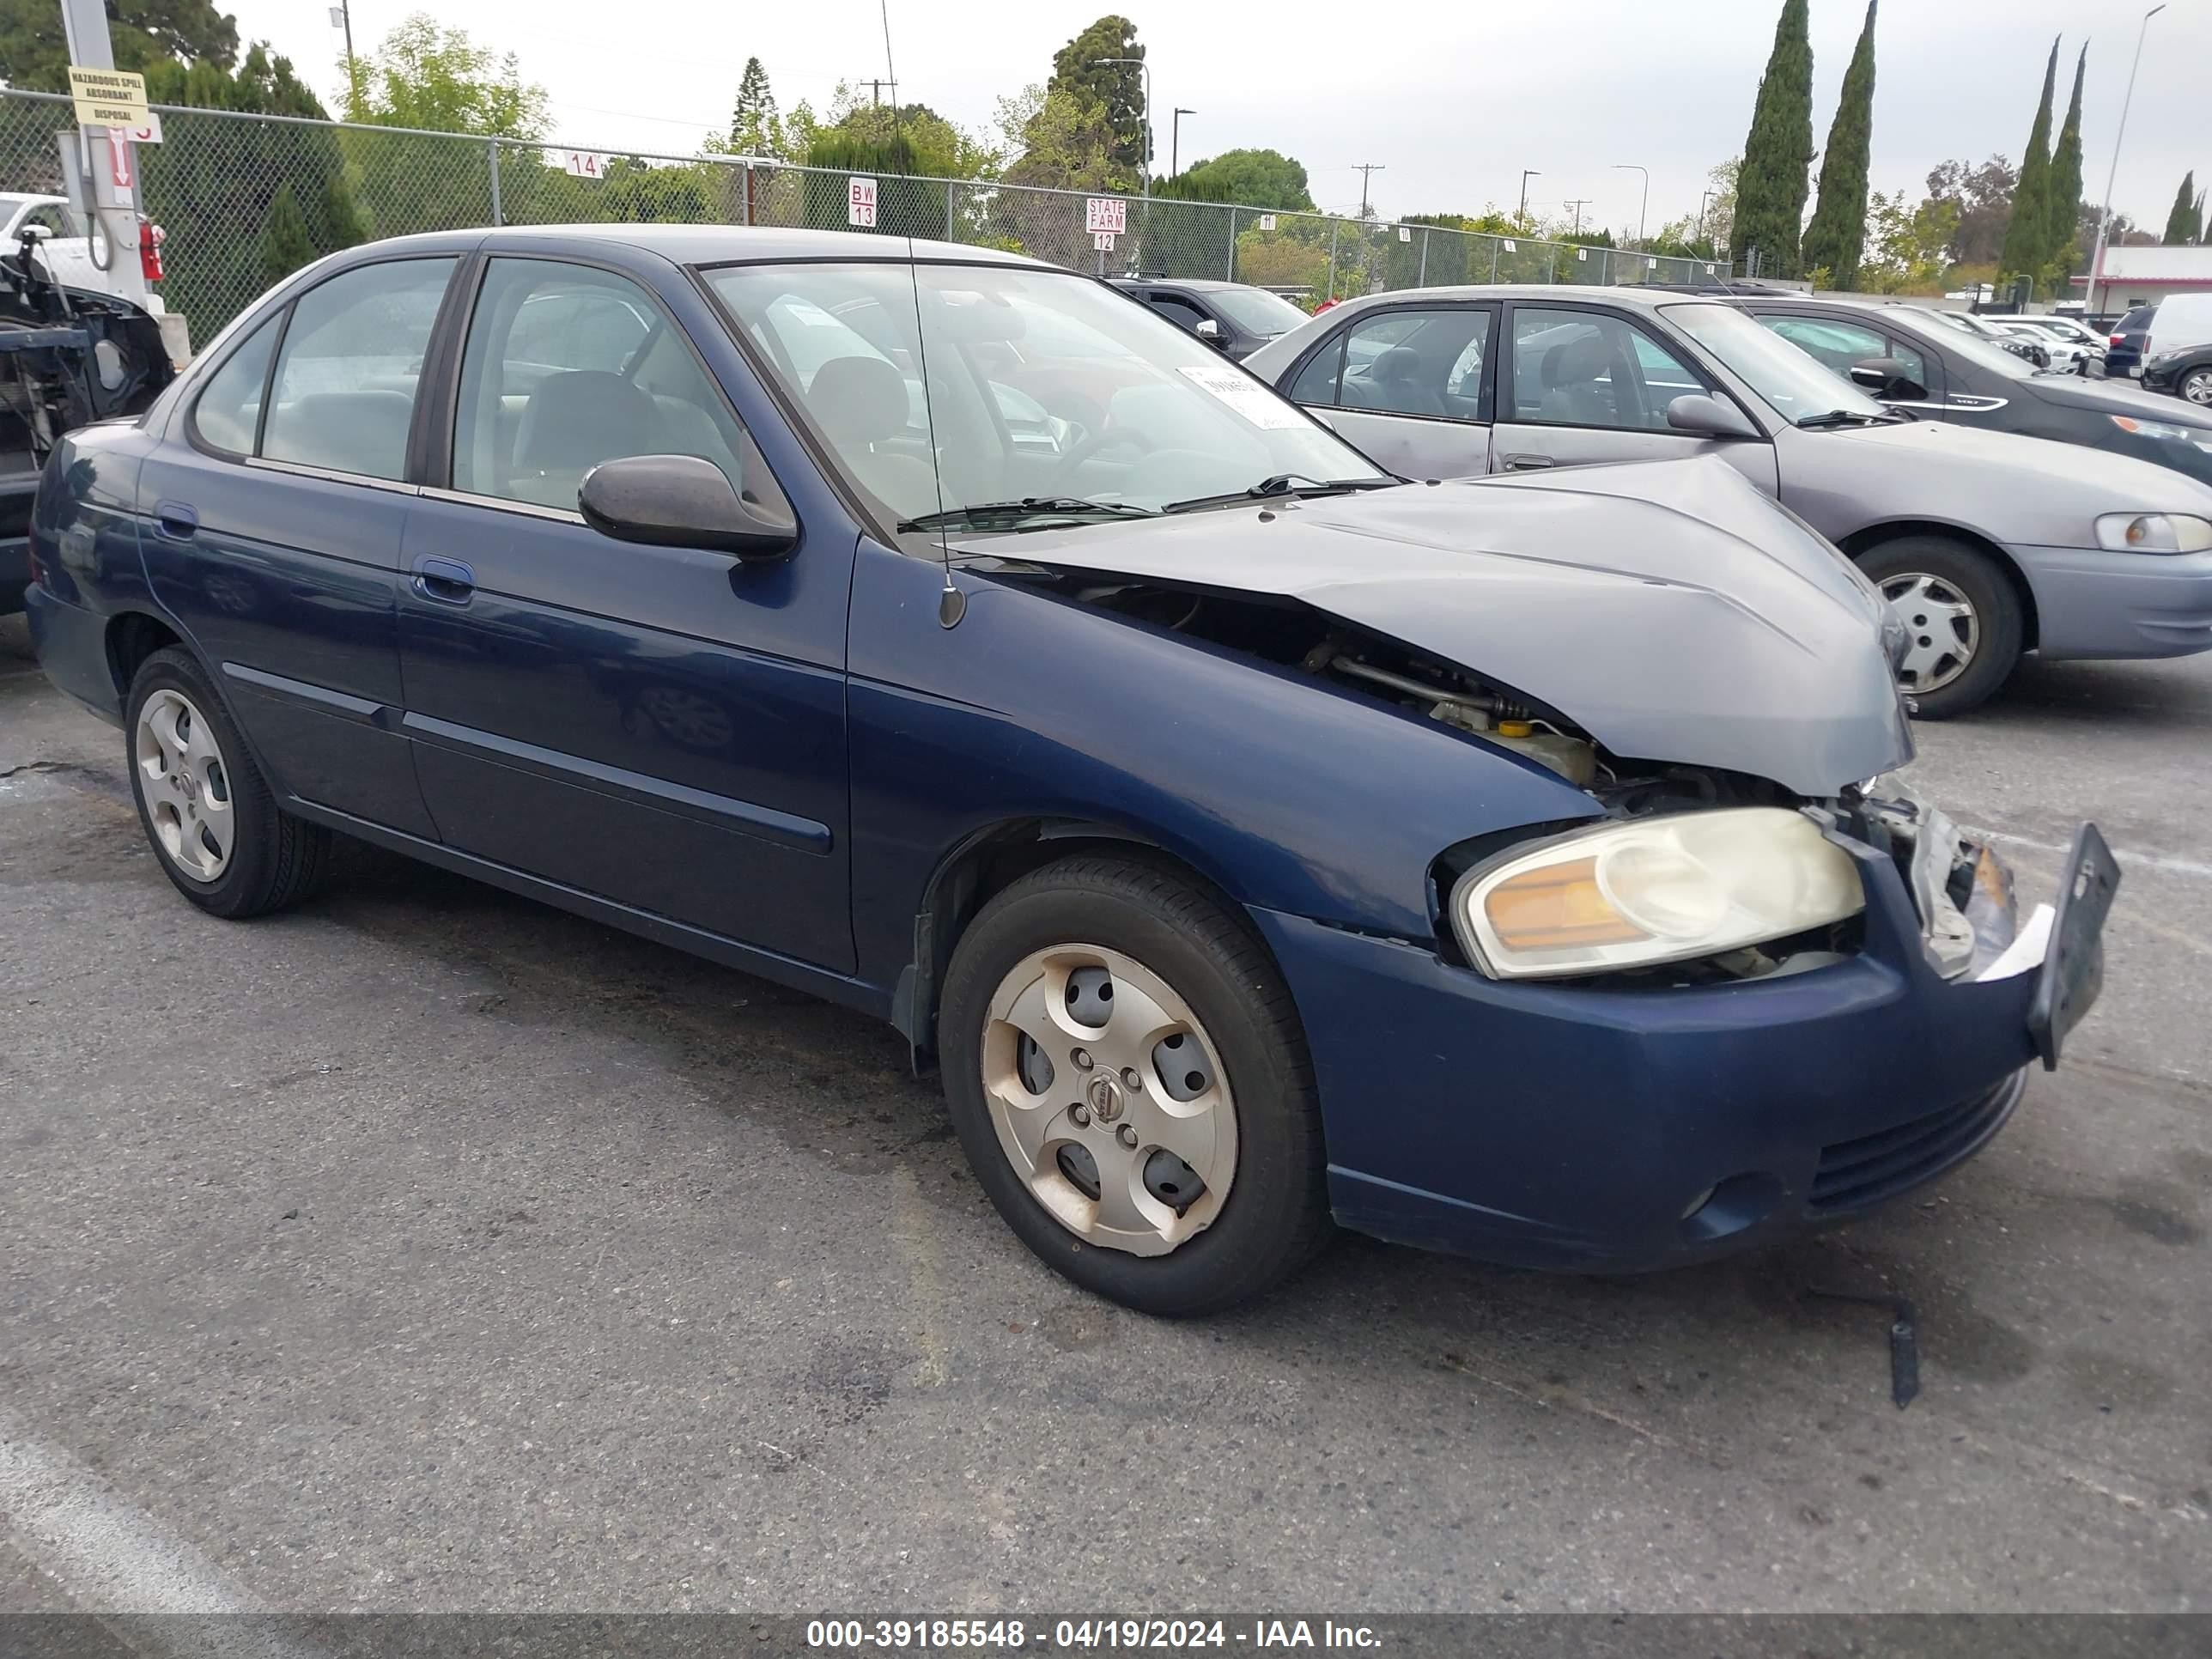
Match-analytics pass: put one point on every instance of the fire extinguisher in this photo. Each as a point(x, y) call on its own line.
point(150, 238)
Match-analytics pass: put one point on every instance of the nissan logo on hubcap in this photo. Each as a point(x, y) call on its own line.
point(1105, 1096)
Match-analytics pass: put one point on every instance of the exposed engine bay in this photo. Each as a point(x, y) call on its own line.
point(1962, 893)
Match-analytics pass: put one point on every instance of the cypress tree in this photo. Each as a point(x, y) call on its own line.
point(2027, 230)
point(2184, 209)
point(2063, 229)
point(1771, 187)
point(2196, 217)
point(1838, 233)
point(285, 246)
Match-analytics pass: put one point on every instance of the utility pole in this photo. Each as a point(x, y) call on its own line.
point(342, 17)
point(1702, 201)
point(1175, 140)
point(2105, 218)
point(1527, 173)
point(1576, 206)
point(1364, 169)
point(875, 90)
point(102, 157)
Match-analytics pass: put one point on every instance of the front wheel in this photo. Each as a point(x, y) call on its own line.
point(2196, 388)
point(1130, 1082)
point(1961, 616)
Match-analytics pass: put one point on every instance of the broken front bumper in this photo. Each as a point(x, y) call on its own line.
point(1621, 1130)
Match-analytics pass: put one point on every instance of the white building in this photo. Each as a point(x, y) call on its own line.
point(2141, 276)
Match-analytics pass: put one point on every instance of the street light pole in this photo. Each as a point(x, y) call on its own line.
point(1527, 173)
point(2105, 218)
point(1147, 158)
point(1641, 212)
point(1175, 140)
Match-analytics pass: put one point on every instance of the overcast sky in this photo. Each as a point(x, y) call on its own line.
point(1453, 100)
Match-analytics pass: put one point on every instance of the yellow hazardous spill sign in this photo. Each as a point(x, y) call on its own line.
point(108, 98)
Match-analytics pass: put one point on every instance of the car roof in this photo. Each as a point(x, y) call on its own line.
point(707, 244)
point(1195, 284)
point(1636, 298)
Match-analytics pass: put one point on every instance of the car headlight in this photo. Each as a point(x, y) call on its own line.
point(2155, 532)
point(1668, 889)
point(2166, 430)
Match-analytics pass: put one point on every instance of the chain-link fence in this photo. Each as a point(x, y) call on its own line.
point(246, 199)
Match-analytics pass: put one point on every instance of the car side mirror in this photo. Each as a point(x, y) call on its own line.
point(680, 500)
point(33, 233)
point(1708, 417)
point(1888, 378)
point(1209, 331)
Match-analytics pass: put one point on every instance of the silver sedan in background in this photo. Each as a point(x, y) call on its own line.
point(1986, 545)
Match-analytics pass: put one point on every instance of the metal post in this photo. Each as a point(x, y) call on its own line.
point(949, 188)
point(2105, 218)
point(84, 24)
point(1232, 244)
point(745, 195)
point(1334, 225)
point(491, 146)
point(1493, 259)
point(1421, 280)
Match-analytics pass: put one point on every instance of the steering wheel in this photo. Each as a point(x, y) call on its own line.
point(1088, 446)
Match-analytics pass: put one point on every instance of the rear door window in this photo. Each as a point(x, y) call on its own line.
point(343, 396)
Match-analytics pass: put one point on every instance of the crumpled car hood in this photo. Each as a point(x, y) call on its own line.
point(1667, 608)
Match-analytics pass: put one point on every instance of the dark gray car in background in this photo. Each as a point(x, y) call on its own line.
point(1985, 544)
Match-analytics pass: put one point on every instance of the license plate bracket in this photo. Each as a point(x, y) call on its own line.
point(2073, 971)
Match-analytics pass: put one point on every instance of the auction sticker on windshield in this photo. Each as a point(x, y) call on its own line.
point(1247, 397)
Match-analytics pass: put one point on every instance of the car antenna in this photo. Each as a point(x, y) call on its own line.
point(952, 603)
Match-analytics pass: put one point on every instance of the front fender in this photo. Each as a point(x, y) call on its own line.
point(1287, 793)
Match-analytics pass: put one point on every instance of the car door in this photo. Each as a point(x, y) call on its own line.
point(276, 515)
point(661, 727)
point(1580, 383)
point(1410, 386)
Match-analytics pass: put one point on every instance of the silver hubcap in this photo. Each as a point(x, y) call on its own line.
point(2197, 388)
point(1942, 632)
point(186, 785)
point(1109, 1098)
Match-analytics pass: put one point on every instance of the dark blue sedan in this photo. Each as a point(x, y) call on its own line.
point(1252, 840)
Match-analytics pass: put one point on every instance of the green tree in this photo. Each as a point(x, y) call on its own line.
point(1118, 88)
point(34, 50)
point(1984, 196)
point(285, 244)
point(2026, 231)
point(1251, 178)
point(211, 183)
point(1771, 184)
point(2182, 222)
point(435, 78)
point(1059, 142)
point(756, 128)
point(1838, 233)
point(2061, 226)
point(1905, 244)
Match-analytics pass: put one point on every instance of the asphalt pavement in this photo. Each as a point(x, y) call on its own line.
point(425, 1248)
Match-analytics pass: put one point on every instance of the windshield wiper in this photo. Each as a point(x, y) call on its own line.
point(1282, 483)
point(1005, 514)
point(1841, 417)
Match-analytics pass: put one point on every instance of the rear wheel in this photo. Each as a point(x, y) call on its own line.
point(217, 829)
point(1962, 620)
point(1130, 1082)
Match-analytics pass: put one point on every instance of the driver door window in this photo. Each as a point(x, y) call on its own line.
point(1586, 368)
point(566, 366)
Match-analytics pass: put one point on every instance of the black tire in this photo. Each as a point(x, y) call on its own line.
point(275, 859)
point(2196, 386)
point(1275, 1217)
point(1996, 605)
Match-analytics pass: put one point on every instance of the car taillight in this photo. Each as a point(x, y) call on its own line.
point(2119, 340)
point(150, 238)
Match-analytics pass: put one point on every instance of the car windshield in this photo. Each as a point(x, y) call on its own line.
point(1045, 389)
point(1793, 382)
point(1256, 311)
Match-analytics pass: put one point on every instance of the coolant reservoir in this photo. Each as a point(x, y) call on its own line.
point(1570, 757)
